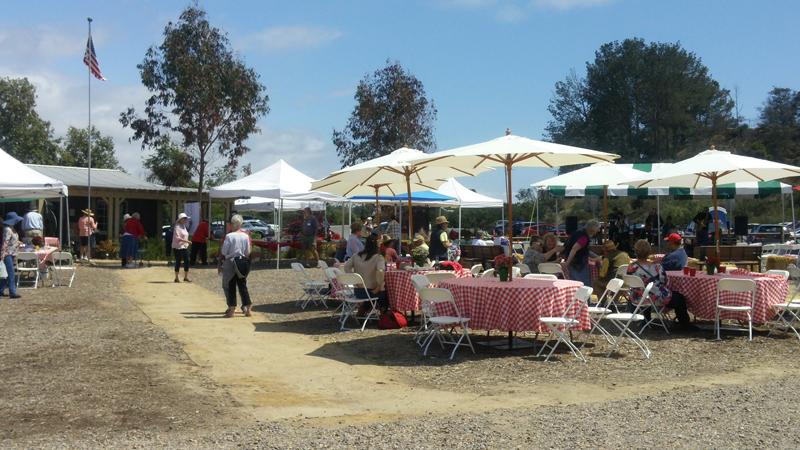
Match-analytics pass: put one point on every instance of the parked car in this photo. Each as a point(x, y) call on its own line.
point(770, 234)
point(256, 226)
point(518, 227)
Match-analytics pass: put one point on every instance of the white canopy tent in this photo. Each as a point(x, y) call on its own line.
point(263, 204)
point(18, 181)
point(466, 198)
point(278, 181)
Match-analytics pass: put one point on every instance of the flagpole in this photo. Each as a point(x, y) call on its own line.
point(89, 131)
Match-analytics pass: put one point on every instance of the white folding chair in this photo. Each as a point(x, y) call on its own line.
point(603, 308)
point(476, 270)
point(657, 313)
point(27, 265)
point(322, 264)
point(736, 286)
point(351, 303)
point(552, 269)
point(435, 278)
point(560, 327)
point(312, 289)
point(63, 267)
point(623, 320)
point(782, 273)
point(442, 327)
point(516, 272)
point(787, 318)
point(625, 290)
point(339, 292)
point(421, 282)
point(488, 273)
point(540, 276)
point(524, 269)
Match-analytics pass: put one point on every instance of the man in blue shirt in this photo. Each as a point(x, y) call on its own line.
point(676, 258)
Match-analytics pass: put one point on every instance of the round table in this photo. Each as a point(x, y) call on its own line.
point(701, 294)
point(400, 291)
point(513, 306)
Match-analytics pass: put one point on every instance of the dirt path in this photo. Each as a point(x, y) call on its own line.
point(275, 375)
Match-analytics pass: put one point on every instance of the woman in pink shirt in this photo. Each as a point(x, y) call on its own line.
point(180, 246)
point(86, 229)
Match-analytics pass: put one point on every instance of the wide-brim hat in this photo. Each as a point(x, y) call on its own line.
point(182, 216)
point(441, 219)
point(126, 216)
point(609, 245)
point(419, 237)
point(385, 239)
point(12, 219)
point(87, 211)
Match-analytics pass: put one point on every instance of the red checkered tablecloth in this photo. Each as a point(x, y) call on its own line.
point(701, 294)
point(513, 306)
point(401, 293)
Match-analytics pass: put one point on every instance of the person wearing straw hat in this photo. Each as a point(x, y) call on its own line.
point(87, 227)
point(611, 261)
point(440, 240)
point(180, 246)
point(8, 254)
point(387, 249)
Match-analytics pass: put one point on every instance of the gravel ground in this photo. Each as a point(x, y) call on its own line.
point(88, 370)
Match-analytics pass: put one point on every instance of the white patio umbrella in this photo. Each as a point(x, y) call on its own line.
point(403, 170)
point(713, 167)
point(510, 151)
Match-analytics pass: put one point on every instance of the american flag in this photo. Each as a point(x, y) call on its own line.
point(90, 59)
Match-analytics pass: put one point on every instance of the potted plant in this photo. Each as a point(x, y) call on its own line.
point(502, 267)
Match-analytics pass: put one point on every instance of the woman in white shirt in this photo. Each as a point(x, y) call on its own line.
point(371, 266)
point(180, 246)
point(235, 266)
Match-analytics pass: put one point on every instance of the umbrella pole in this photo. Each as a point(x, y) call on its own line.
point(377, 207)
point(459, 223)
point(537, 205)
point(605, 206)
point(510, 207)
point(400, 241)
point(658, 219)
point(716, 214)
point(410, 213)
point(793, 228)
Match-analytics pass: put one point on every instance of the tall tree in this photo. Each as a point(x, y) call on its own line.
point(23, 134)
point(75, 150)
point(778, 134)
point(169, 165)
point(392, 111)
point(202, 92)
point(643, 101)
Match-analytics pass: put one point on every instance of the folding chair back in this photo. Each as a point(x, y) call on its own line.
point(552, 268)
point(736, 286)
point(297, 267)
point(610, 294)
point(488, 273)
point(782, 273)
point(476, 270)
point(633, 282)
point(352, 281)
point(63, 262)
point(524, 269)
point(322, 264)
point(574, 308)
point(420, 282)
point(28, 262)
point(621, 272)
point(438, 296)
point(442, 327)
point(438, 277)
point(516, 271)
point(540, 276)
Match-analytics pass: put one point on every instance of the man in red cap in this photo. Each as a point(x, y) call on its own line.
point(676, 258)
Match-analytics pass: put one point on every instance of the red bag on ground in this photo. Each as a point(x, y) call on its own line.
point(392, 320)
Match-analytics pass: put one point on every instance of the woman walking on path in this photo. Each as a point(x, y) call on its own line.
point(235, 266)
point(180, 246)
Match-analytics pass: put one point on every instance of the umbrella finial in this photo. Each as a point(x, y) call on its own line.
point(508, 131)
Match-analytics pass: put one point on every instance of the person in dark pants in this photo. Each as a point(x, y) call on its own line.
point(168, 243)
point(200, 243)
point(180, 244)
point(440, 240)
point(235, 265)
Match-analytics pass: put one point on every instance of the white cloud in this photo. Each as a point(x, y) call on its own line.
point(564, 5)
point(40, 42)
point(301, 148)
point(290, 38)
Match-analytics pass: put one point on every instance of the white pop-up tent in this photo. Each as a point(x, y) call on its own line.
point(20, 181)
point(263, 204)
point(466, 198)
point(278, 181)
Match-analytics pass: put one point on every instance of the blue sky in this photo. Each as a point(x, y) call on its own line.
point(487, 64)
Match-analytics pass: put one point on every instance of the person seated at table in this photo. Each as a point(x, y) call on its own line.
point(387, 249)
point(440, 240)
point(354, 244)
point(660, 294)
point(611, 260)
point(551, 248)
point(482, 239)
point(372, 267)
point(576, 252)
point(676, 257)
point(534, 255)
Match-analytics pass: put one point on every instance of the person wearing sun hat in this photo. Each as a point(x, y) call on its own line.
point(8, 254)
point(387, 249)
point(676, 257)
point(440, 240)
point(87, 227)
point(180, 246)
point(611, 261)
